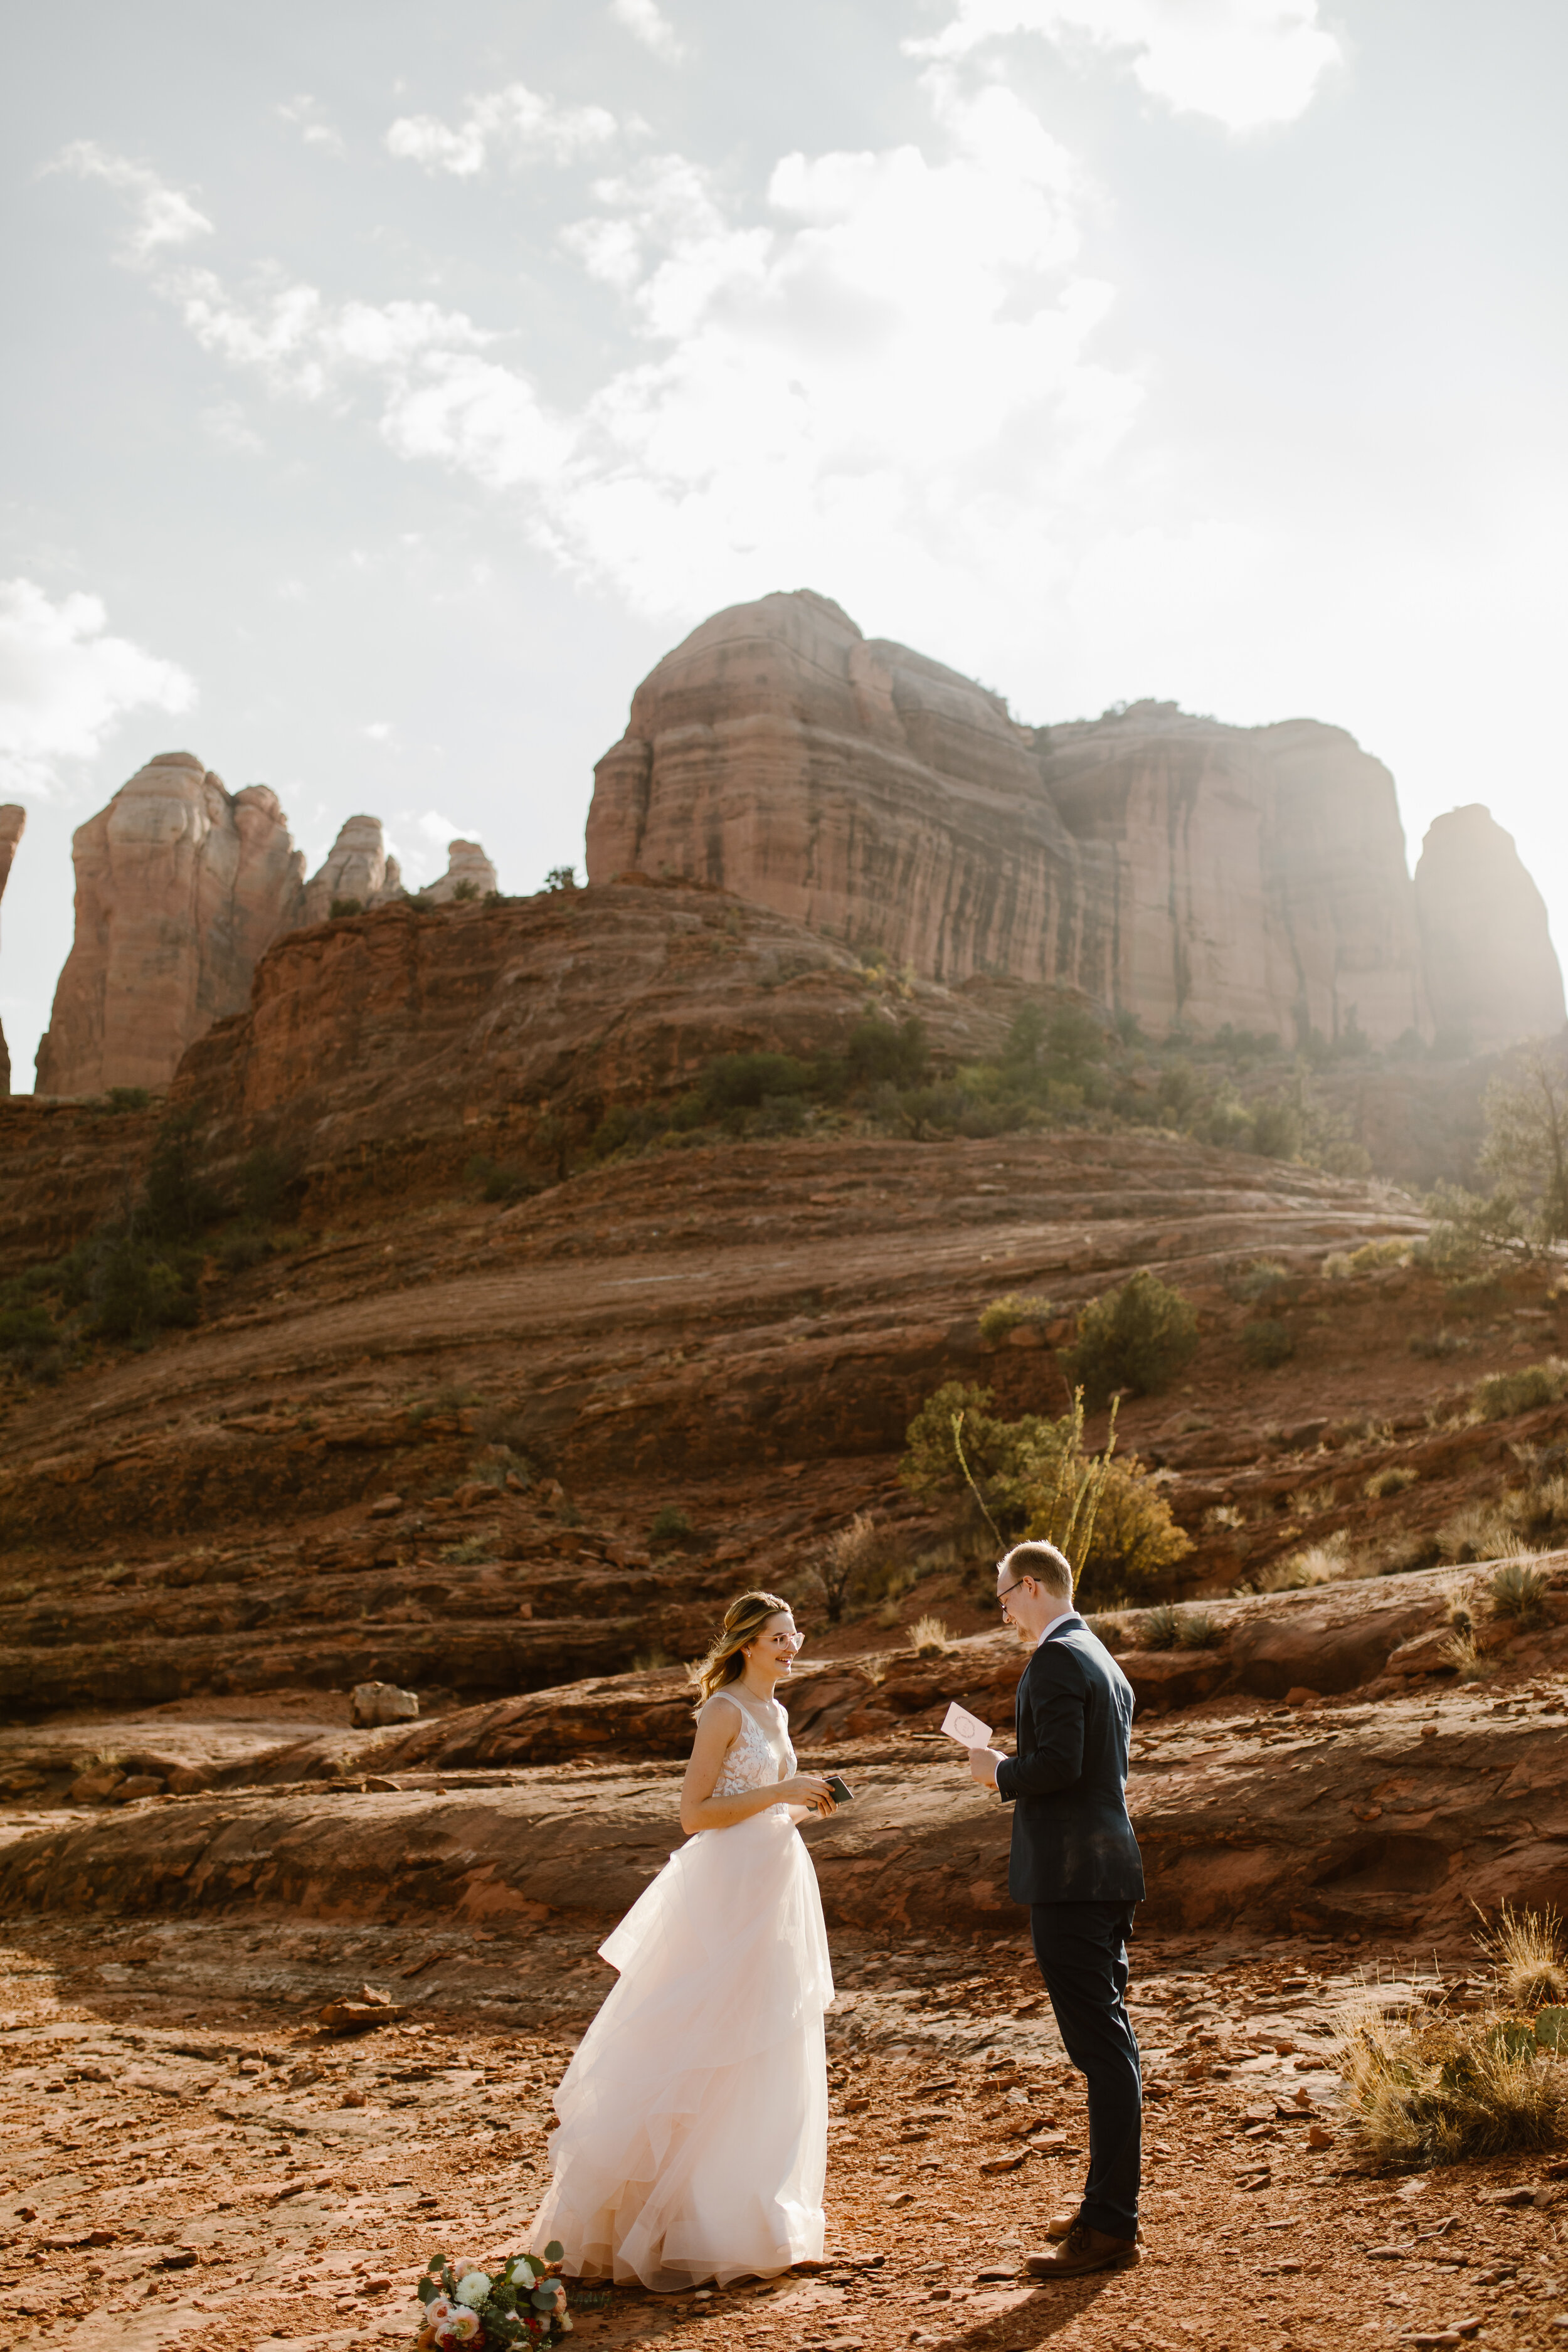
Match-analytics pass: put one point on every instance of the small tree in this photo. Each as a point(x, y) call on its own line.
point(845, 1563)
point(1135, 1339)
point(561, 877)
point(1525, 1154)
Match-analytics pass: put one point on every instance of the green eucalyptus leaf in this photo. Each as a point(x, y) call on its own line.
point(426, 2290)
point(555, 2252)
point(543, 2299)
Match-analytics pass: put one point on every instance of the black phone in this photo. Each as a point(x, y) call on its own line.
point(840, 1789)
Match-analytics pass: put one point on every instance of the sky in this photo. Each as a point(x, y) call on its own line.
point(389, 386)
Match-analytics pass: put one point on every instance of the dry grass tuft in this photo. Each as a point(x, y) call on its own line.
point(1526, 1949)
point(1391, 1480)
point(1436, 2089)
point(931, 1636)
point(1440, 2090)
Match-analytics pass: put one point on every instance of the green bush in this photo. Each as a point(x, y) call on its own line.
point(30, 1341)
point(1137, 1338)
point(242, 1248)
point(497, 1181)
point(669, 1525)
point(137, 1287)
point(122, 1098)
point(340, 908)
point(266, 1181)
point(1031, 1472)
point(178, 1201)
point(1004, 1315)
point(878, 1052)
point(1261, 1279)
point(1156, 1628)
point(1503, 1393)
point(1267, 1344)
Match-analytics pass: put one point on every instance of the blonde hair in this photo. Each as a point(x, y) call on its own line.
point(744, 1621)
point(1045, 1563)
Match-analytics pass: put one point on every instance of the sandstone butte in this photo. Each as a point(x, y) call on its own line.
point(1163, 864)
point(1492, 973)
point(181, 886)
point(12, 821)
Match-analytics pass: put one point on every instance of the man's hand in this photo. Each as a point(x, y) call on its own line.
point(983, 1763)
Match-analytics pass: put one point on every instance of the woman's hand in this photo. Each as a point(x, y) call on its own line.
point(807, 1789)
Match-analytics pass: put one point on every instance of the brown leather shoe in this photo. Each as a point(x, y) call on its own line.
point(1061, 2224)
point(1082, 2250)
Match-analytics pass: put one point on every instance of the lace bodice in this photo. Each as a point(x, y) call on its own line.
point(752, 1761)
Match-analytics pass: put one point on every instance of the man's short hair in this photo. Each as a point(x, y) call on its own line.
point(1045, 1563)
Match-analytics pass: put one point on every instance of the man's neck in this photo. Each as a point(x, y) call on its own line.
point(1059, 1619)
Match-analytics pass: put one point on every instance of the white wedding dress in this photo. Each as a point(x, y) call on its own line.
point(693, 2136)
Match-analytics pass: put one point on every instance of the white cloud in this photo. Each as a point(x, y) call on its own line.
point(302, 114)
point(226, 424)
point(884, 373)
point(378, 730)
point(160, 217)
point(1244, 63)
point(64, 683)
point(515, 120)
point(646, 23)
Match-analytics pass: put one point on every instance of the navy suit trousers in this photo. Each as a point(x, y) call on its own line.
point(1081, 1948)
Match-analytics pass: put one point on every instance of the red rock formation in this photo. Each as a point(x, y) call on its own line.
point(356, 867)
point(180, 886)
point(469, 871)
point(12, 820)
point(1170, 867)
point(1492, 972)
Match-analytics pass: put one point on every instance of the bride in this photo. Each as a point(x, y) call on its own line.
point(693, 2137)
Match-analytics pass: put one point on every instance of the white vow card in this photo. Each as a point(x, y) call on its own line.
point(968, 1730)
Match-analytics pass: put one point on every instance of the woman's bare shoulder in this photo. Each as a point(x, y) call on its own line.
point(714, 1700)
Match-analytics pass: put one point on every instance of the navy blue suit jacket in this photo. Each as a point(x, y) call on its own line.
point(1072, 1841)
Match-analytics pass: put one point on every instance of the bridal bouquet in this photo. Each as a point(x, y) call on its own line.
point(468, 2308)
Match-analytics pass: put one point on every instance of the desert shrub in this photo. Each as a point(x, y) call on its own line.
point(846, 1566)
point(342, 906)
point(30, 1342)
point(1518, 1591)
point(1470, 1662)
point(242, 1248)
point(469, 1550)
point(1441, 2090)
point(465, 893)
point(1331, 1561)
point(1109, 1628)
point(1479, 1530)
point(881, 1051)
point(1503, 1393)
point(669, 1524)
point(1135, 1337)
point(1436, 1345)
point(781, 1115)
point(1260, 1279)
point(497, 1181)
point(737, 1082)
point(1391, 1479)
point(135, 1287)
point(1474, 1296)
point(178, 1201)
point(1155, 1629)
point(1267, 1344)
point(561, 877)
point(1525, 1948)
point(1196, 1629)
point(266, 1183)
point(1004, 1315)
point(931, 1636)
point(124, 1098)
point(1393, 1250)
point(1035, 1477)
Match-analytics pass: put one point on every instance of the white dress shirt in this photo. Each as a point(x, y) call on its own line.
point(1059, 1619)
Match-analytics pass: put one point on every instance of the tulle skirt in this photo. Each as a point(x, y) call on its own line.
point(693, 2135)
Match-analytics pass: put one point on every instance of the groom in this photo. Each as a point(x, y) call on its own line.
point(1076, 1863)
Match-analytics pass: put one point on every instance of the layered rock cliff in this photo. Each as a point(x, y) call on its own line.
point(1169, 866)
point(180, 886)
point(1492, 973)
point(12, 821)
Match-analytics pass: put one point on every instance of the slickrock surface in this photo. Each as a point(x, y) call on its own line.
point(12, 821)
point(1362, 1820)
point(1492, 972)
point(180, 885)
point(1175, 867)
point(192, 2161)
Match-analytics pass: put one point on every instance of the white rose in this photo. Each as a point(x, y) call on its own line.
point(473, 2288)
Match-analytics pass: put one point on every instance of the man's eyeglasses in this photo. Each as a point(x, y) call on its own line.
point(1006, 1589)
